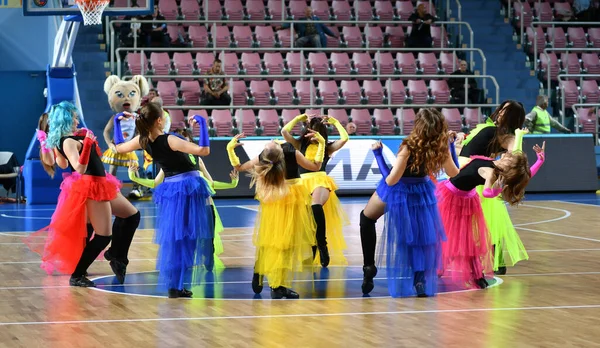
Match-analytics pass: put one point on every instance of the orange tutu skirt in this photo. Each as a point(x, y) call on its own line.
point(61, 243)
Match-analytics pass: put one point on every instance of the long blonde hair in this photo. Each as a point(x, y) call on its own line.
point(269, 175)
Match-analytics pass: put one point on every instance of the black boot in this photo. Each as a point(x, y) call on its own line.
point(321, 234)
point(175, 293)
point(257, 283)
point(282, 292)
point(500, 271)
point(90, 232)
point(369, 272)
point(90, 253)
point(123, 232)
point(368, 239)
point(419, 284)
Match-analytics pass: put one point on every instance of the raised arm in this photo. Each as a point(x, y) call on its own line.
point(338, 144)
point(491, 188)
point(558, 126)
point(78, 161)
point(319, 156)
point(541, 157)
point(287, 130)
point(451, 164)
point(203, 147)
point(377, 149)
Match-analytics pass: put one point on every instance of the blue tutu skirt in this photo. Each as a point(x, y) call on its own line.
point(412, 236)
point(184, 228)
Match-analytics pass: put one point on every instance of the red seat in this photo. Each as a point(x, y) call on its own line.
point(204, 61)
point(577, 37)
point(396, 91)
point(363, 10)
point(222, 122)
point(384, 10)
point(269, 122)
point(341, 10)
point(183, 63)
point(352, 36)
point(395, 36)
point(406, 63)
point(190, 91)
point(591, 63)
point(363, 63)
point(221, 35)
point(238, 93)
point(373, 91)
point(251, 63)
point(284, 92)
point(320, 8)
point(351, 92)
point(328, 91)
point(418, 91)
point(341, 63)
point(384, 120)
point(594, 36)
point(570, 63)
point(168, 92)
point(428, 63)
point(229, 63)
point(569, 92)
point(440, 91)
point(406, 118)
point(245, 121)
point(233, 10)
point(160, 63)
point(587, 119)
point(449, 62)
point(318, 63)
point(473, 117)
point(265, 36)
point(275, 9)
point(242, 35)
point(374, 36)
point(261, 92)
point(405, 9)
point(256, 9)
point(273, 64)
point(198, 35)
point(386, 63)
point(589, 90)
point(453, 119)
point(190, 10)
point(296, 8)
point(137, 63)
point(191, 112)
point(303, 90)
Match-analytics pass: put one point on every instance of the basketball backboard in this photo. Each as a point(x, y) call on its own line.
point(68, 7)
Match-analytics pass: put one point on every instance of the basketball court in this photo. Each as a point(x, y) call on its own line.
point(547, 301)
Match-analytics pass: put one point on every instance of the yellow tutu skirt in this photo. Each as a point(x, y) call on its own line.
point(335, 216)
point(118, 159)
point(284, 234)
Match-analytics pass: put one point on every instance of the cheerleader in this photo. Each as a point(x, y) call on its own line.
point(127, 217)
point(284, 232)
point(327, 209)
point(184, 231)
point(413, 229)
point(467, 253)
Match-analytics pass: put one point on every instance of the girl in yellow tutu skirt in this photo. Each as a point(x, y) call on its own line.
point(327, 209)
point(284, 231)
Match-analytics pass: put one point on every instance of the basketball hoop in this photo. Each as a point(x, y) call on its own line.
point(91, 10)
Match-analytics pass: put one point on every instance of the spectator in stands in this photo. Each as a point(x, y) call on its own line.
point(155, 33)
point(153, 93)
point(591, 14)
point(539, 121)
point(457, 85)
point(420, 36)
point(215, 88)
point(310, 32)
point(581, 5)
point(351, 128)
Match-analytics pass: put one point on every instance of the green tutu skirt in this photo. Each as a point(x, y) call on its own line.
point(509, 248)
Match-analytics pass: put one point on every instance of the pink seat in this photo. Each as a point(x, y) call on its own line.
point(190, 91)
point(177, 116)
point(587, 119)
point(198, 35)
point(589, 90)
point(265, 35)
point(405, 9)
point(320, 8)
point(340, 115)
point(577, 37)
point(234, 10)
point(168, 9)
point(362, 119)
point(245, 121)
point(160, 63)
point(556, 36)
point(183, 63)
point(319, 63)
point(287, 115)
point(570, 63)
point(256, 9)
point(137, 63)
point(523, 9)
point(341, 63)
point(191, 112)
point(351, 92)
point(384, 121)
point(285, 36)
point(386, 62)
point(396, 91)
point(539, 36)
point(543, 11)
point(303, 91)
point(190, 9)
point(428, 63)
point(341, 10)
point(550, 62)
point(313, 111)
point(440, 91)
point(569, 92)
point(439, 36)
point(296, 9)
point(384, 10)
point(251, 63)
point(373, 91)
point(453, 119)
point(238, 93)
point(222, 122)
point(363, 10)
point(174, 31)
point(591, 63)
point(168, 92)
point(229, 63)
point(363, 63)
point(242, 35)
point(352, 36)
point(374, 36)
point(269, 122)
point(406, 118)
point(221, 35)
point(204, 61)
point(594, 36)
point(473, 117)
point(328, 91)
point(293, 60)
point(406, 63)
point(395, 36)
point(284, 92)
point(449, 62)
point(273, 63)
point(418, 91)
point(274, 7)
point(261, 92)
point(331, 42)
point(214, 10)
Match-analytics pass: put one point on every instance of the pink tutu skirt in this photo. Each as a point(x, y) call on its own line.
point(467, 252)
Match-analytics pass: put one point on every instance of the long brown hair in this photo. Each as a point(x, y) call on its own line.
point(316, 124)
point(515, 178)
point(146, 121)
point(428, 142)
point(43, 126)
point(507, 121)
point(269, 175)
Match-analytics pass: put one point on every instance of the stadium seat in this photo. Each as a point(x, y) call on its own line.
point(384, 122)
point(577, 37)
point(251, 63)
point(255, 10)
point(591, 63)
point(328, 92)
point(260, 92)
point(222, 122)
point(273, 63)
point(406, 119)
point(204, 61)
point(473, 117)
point(303, 91)
point(569, 92)
point(234, 10)
point(351, 92)
point(341, 63)
point(363, 63)
point(341, 10)
point(242, 36)
point(373, 91)
point(287, 115)
point(374, 36)
point(265, 36)
point(168, 92)
point(245, 121)
point(284, 92)
point(183, 63)
point(396, 91)
point(428, 63)
point(362, 119)
point(198, 36)
point(453, 119)
point(570, 63)
point(190, 91)
point(440, 91)
point(269, 122)
point(590, 92)
point(406, 63)
point(417, 91)
point(339, 114)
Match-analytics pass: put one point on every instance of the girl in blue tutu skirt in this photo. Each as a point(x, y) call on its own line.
point(413, 231)
point(184, 227)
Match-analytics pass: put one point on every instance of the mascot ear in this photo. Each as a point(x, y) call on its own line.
point(110, 82)
point(142, 83)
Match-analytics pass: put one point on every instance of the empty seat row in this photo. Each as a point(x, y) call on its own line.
point(556, 37)
point(587, 119)
point(569, 63)
point(541, 12)
point(571, 93)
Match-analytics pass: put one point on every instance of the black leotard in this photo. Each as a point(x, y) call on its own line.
point(95, 166)
point(468, 178)
point(170, 161)
point(480, 144)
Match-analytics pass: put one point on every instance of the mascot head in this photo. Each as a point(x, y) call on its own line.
point(125, 95)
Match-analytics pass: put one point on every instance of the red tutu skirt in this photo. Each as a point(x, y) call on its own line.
point(61, 243)
point(467, 252)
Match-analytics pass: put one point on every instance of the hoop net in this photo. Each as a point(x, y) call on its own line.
point(91, 10)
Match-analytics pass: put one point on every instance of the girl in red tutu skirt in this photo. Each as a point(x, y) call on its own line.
point(467, 254)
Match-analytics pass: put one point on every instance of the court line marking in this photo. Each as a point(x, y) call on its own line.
point(567, 214)
point(577, 203)
point(559, 234)
point(137, 207)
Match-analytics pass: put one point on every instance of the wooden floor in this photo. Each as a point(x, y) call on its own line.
point(552, 300)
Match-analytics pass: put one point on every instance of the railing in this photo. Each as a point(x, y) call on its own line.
point(591, 105)
point(569, 76)
point(214, 23)
point(313, 92)
point(553, 24)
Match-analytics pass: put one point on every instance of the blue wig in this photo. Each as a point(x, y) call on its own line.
point(60, 122)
